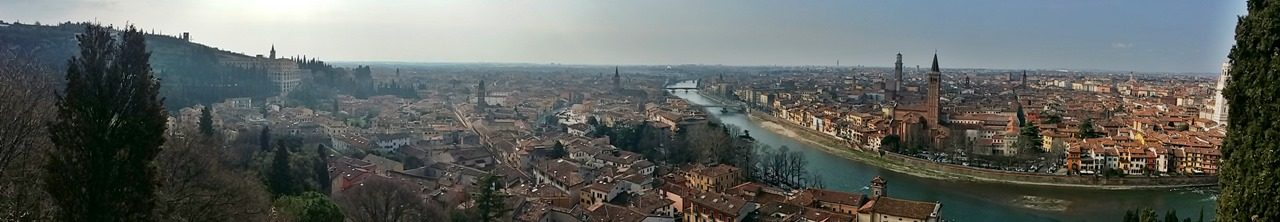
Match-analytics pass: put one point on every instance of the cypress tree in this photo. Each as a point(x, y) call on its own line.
point(321, 168)
point(558, 151)
point(1249, 172)
point(490, 201)
point(109, 127)
point(1171, 216)
point(281, 178)
point(206, 121)
point(264, 139)
point(1201, 215)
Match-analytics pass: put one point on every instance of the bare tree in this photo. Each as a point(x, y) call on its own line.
point(196, 186)
point(25, 90)
point(386, 200)
point(784, 167)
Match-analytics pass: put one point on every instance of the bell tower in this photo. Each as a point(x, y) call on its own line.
point(617, 79)
point(877, 187)
point(935, 88)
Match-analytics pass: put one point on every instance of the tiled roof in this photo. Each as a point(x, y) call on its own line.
point(901, 208)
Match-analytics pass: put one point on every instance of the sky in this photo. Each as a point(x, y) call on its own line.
point(1138, 35)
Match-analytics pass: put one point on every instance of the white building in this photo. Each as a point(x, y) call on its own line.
point(284, 73)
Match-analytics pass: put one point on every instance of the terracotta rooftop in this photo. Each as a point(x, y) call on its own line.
point(901, 208)
point(715, 171)
point(852, 199)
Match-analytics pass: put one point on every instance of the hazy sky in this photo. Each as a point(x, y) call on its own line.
point(1165, 35)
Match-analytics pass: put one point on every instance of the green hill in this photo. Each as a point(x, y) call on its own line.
point(189, 72)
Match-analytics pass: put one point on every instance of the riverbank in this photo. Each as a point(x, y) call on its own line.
point(962, 200)
point(941, 171)
point(928, 169)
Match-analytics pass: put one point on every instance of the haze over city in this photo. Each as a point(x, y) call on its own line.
point(1144, 36)
point(639, 111)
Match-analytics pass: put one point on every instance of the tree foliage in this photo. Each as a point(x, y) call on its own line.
point(1149, 215)
point(320, 169)
point(197, 186)
point(558, 151)
point(310, 207)
point(785, 168)
point(264, 138)
point(1249, 173)
point(382, 199)
point(25, 89)
point(490, 200)
point(206, 121)
point(109, 127)
point(1087, 130)
point(1029, 138)
point(192, 72)
point(891, 143)
point(281, 177)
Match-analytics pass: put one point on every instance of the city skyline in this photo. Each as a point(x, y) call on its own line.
point(1117, 36)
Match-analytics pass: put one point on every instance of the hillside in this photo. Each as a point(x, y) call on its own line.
point(189, 72)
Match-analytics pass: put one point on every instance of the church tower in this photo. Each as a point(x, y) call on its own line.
point(1220, 105)
point(273, 52)
point(935, 88)
point(1024, 79)
point(877, 187)
point(480, 94)
point(617, 79)
point(895, 82)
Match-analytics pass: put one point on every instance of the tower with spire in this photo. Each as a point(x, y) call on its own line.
point(617, 79)
point(273, 51)
point(1024, 79)
point(935, 88)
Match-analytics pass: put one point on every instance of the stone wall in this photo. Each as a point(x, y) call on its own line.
point(999, 175)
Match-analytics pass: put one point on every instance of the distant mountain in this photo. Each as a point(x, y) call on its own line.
point(189, 72)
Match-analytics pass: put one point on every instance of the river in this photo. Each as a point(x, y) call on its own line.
point(972, 201)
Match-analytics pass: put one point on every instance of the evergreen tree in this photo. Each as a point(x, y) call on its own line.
point(1147, 215)
point(892, 143)
point(558, 151)
point(310, 207)
point(321, 168)
point(280, 178)
point(1248, 172)
point(490, 201)
point(264, 139)
point(1029, 138)
point(1087, 130)
point(1171, 216)
point(109, 127)
point(206, 121)
point(1201, 215)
